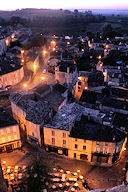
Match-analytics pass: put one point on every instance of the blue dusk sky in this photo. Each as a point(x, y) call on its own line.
point(64, 4)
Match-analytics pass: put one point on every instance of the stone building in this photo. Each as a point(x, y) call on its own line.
point(66, 73)
point(9, 133)
point(31, 114)
point(74, 135)
point(11, 78)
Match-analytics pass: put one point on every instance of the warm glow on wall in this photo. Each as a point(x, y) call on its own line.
point(107, 46)
point(7, 42)
point(25, 85)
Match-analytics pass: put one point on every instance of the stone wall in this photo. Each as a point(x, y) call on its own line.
point(12, 78)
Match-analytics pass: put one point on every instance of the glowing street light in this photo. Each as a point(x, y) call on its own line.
point(44, 52)
point(25, 85)
point(86, 88)
point(7, 42)
point(42, 78)
point(99, 57)
point(68, 43)
point(12, 36)
point(22, 51)
point(78, 171)
point(91, 45)
point(22, 60)
point(34, 66)
point(53, 42)
point(107, 46)
point(4, 162)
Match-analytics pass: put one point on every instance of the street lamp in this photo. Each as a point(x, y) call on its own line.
point(107, 46)
point(34, 66)
point(22, 51)
point(99, 57)
point(42, 78)
point(44, 52)
point(4, 162)
point(53, 42)
point(25, 85)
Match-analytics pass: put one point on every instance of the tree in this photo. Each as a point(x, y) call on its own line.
point(76, 11)
point(107, 28)
point(36, 175)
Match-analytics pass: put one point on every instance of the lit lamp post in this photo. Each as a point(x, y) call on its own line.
point(7, 42)
point(25, 85)
point(53, 43)
point(42, 78)
point(34, 67)
point(99, 57)
point(44, 52)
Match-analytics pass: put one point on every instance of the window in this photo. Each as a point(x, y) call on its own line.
point(97, 143)
point(8, 130)
point(64, 135)
point(2, 132)
point(9, 138)
point(76, 146)
point(74, 155)
point(84, 141)
point(84, 147)
point(33, 134)
point(15, 136)
point(3, 140)
point(53, 140)
point(79, 88)
point(53, 133)
point(79, 83)
point(14, 129)
point(64, 142)
point(75, 139)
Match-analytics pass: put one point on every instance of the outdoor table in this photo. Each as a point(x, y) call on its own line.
point(56, 174)
point(54, 187)
point(60, 185)
point(55, 179)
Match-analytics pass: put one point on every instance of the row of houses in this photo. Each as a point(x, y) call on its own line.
point(67, 129)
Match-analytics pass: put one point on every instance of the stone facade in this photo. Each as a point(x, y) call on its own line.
point(12, 78)
point(10, 138)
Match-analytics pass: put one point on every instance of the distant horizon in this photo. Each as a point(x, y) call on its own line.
point(125, 9)
point(64, 4)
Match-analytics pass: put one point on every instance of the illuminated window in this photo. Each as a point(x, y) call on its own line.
point(53, 140)
point(64, 135)
point(2, 132)
point(8, 130)
point(3, 140)
point(76, 146)
point(9, 138)
point(53, 133)
point(15, 136)
point(84, 147)
point(64, 142)
point(14, 129)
